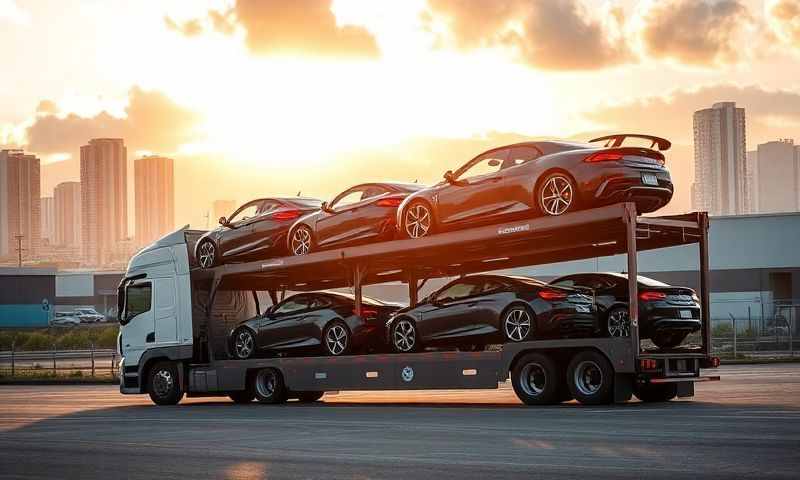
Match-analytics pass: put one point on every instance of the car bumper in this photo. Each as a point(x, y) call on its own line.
point(626, 184)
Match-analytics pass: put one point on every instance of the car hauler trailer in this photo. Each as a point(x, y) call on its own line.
point(177, 317)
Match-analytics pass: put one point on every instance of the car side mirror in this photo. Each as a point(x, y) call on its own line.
point(448, 175)
point(223, 221)
point(325, 207)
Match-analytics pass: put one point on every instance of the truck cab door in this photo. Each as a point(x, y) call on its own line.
point(165, 310)
point(137, 321)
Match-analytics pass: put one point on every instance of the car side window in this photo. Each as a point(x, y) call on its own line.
point(138, 300)
point(491, 286)
point(349, 197)
point(486, 164)
point(292, 304)
point(457, 291)
point(372, 192)
point(248, 210)
point(268, 206)
point(520, 155)
point(319, 302)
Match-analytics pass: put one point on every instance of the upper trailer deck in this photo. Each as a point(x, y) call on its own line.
point(530, 241)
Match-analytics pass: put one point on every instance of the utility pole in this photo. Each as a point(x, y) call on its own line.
point(19, 249)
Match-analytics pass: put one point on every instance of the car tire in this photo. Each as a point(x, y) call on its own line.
point(537, 380)
point(618, 322)
point(243, 343)
point(268, 386)
point(404, 336)
point(418, 221)
point(336, 339)
point(242, 396)
point(590, 378)
point(668, 339)
point(207, 255)
point(309, 397)
point(557, 194)
point(518, 324)
point(656, 392)
point(301, 241)
point(163, 384)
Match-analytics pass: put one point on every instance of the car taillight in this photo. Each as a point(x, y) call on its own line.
point(652, 296)
point(603, 157)
point(389, 202)
point(369, 313)
point(552, 295)
point(695, 297)
point(647, 364)
point(286, 215)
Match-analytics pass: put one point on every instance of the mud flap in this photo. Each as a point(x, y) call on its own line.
point(623, 387)
point(685, 389)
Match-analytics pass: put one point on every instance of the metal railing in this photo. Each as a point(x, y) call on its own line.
point(766, 330)
point(76, 363)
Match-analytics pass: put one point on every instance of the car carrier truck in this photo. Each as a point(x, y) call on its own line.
point(176, 317)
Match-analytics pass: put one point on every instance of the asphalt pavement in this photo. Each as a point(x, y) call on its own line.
point(746, 426)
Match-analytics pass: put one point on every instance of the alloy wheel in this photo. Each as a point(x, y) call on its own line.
point(244, 344)
point(556, 195)
point(405, 336)
point(163, 382)
point(517, 324)
point(588, 377)
point(619, 323)
point(417, 221)
point(301, 241)
point(207, 254)
point(336, 339)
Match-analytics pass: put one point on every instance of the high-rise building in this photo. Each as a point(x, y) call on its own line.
point(154, 186)
point(719, 160)
point(778, 177)
point(104, 199)
point(48, 214)
point(67, 197)
point(20, 203)
point(221, 208)
point(751, 176)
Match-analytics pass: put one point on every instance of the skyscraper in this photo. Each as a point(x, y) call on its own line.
point(67, 197)
point(20, 203)
point(104, 199)
point(48, 220)
point(154, 187)
point(719, 160)
point(751, 175)
point(778, 168)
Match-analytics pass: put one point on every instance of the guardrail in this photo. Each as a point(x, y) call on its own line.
point(95, 362)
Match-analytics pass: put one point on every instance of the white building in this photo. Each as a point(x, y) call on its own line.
point(48, 217)
point(777, 178)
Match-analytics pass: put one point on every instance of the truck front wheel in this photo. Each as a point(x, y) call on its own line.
point(163, 384)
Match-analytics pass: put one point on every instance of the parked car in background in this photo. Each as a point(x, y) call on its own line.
point(88, 315)
point(477, 310)
point(361, 214)
point(255, 230)
point(320, 322)
point(550, 178)
point(667, 314)
point(64, 319)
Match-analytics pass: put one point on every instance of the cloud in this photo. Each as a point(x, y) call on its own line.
point(784, 16)
point(278, 27)
point(553, 35)
point(47, 107)
point(697, 32)
point(152, 122)
point(11, 12)
point(770, 113)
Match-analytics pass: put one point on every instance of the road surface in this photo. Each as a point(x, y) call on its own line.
point(747, 425)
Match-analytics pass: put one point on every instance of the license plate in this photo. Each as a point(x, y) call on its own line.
point(582, 308)
point(649, 179)
point(686, 314)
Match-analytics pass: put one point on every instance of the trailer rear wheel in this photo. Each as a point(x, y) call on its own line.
point(163, 384)
point(536, 379)
point(656, 392)
point(590, 378)
point(269, 387)
point(308, 397)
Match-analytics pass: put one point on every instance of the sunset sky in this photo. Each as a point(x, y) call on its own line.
point(258, 98)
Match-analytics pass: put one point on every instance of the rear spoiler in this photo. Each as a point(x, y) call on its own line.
point(613, 141)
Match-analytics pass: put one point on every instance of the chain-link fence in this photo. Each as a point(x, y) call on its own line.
point(743, 329)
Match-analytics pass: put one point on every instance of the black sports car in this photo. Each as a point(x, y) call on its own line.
point(483, 309)
point(318, 321)
point(551, 178)
point(257, 229)
point(361, 214)
point(667, 314)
